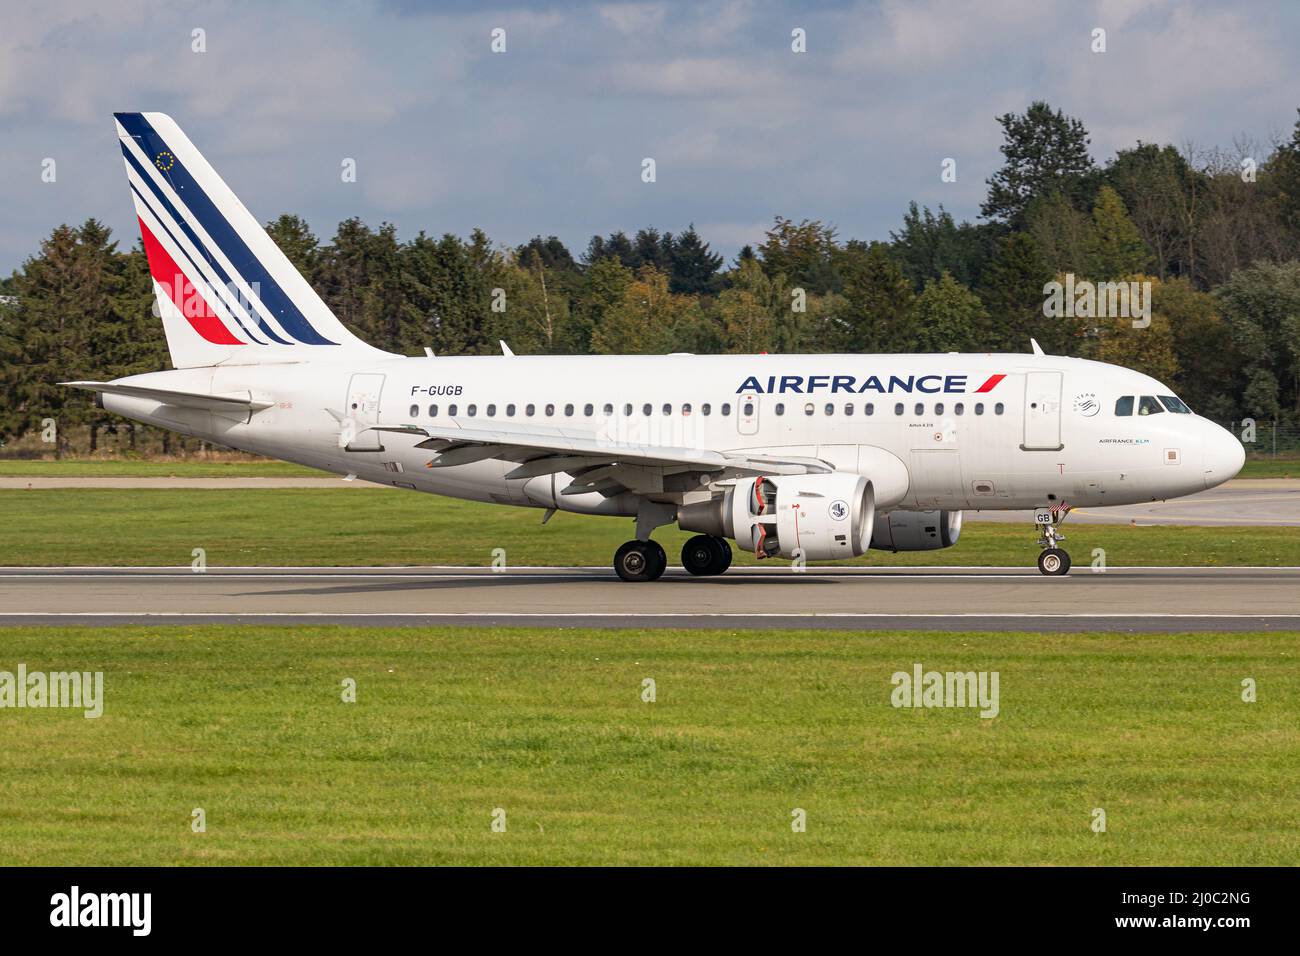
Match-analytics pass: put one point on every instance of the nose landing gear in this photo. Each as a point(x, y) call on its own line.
point(1052, 560)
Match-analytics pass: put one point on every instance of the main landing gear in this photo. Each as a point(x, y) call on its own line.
point(1052, 560)
point(640, 561)
point(646, 560)
point(705, 554)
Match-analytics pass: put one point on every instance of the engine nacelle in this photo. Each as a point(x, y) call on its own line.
point(916, 530)
point(821, 517)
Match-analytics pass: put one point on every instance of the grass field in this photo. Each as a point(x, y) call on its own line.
point(549, 725)
point(1280, 467)
point(132, 468)
point(342, 526)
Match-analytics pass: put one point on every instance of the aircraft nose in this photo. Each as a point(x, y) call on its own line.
point(1224, 456)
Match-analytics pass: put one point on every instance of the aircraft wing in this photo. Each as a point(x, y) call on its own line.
point(216, 403)
point(596, 462)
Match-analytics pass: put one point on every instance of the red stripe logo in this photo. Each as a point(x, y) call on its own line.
point(990, 384)
point(182, 292)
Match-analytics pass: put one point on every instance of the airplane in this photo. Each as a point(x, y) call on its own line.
point(801, 457)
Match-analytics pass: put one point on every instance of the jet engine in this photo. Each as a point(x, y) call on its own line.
point(818, 517)
point(916, 530)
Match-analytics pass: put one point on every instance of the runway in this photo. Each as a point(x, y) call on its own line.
point(1122, 599)
point(1243, 501)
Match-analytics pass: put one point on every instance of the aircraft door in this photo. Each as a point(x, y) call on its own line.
point(362, 411)
point(1042, 412)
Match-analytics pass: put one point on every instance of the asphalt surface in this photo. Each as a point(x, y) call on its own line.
point(1244, 501)
point(1128, 599)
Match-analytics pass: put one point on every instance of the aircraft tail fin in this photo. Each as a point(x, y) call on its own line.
point(226, 293)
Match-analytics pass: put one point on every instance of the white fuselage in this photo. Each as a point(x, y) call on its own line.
point(915, 424)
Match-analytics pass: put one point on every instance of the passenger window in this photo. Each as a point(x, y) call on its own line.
point(898, 409)
point(959, 409)
point(451, 410)
point(471, 410)
point(668, 409)
point(686, 408)
point(529, 409)
point(646, 409)
point(550, 410)
point(510, 411)
point(415, 411)
point(706, 408)
point(433, 411)
point(938, 408)
point(871, 408)
point(609, 410)
point(979, 408)
point(809, 408)
point(749, 408)
point(848, 408)
point(588, 409)
point(726, 408)
point(492, 411)
point(1124, 406)
point(1147, 405)
point(830, 409)
point(780, 408)
point(999, 408)
point(919, 409)
point(627, 408)
point(1175, 405)
point(568, 411)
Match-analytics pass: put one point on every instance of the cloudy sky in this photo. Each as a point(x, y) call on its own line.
point(549, 137)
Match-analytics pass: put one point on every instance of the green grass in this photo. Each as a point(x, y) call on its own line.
point(345, 526)
point(138, 468)
point(248, 724)
point(1281, 467)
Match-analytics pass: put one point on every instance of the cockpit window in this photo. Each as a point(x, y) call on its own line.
point(1148, 405)
point(1124, 406)
point(1175, 405)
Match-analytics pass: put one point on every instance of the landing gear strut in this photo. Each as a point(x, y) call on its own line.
point(705, 555)
point(1052, 560)
point(640, 561)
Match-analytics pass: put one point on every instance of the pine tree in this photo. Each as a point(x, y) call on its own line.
point(1045, 151)
point(1013, 295)
point(879, 298)
point(694, 267)
point(1114, 248)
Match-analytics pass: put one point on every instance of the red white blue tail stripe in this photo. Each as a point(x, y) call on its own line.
point(213, 265)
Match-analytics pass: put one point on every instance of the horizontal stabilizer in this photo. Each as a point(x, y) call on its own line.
point(213, 403)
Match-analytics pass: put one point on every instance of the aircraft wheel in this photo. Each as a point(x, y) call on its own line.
point(660, 557)
point(700, 556)
point(1054, 561)
point(724, 554)
point(640, 561)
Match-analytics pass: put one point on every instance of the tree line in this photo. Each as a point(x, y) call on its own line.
point(1215, 232)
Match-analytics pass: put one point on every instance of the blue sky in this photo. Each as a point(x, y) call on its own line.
point(549, 136)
